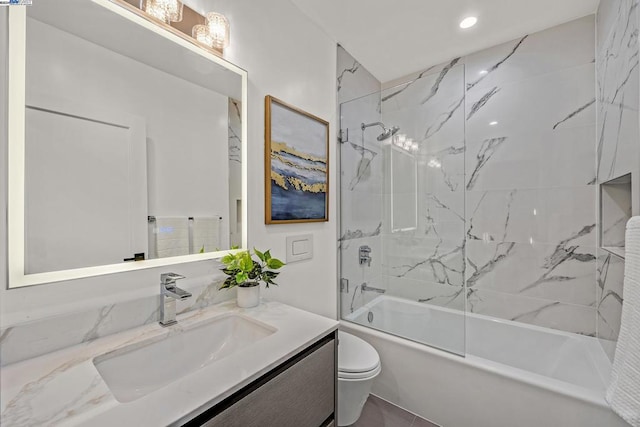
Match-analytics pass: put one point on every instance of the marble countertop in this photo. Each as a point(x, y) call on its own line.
point(65, 388)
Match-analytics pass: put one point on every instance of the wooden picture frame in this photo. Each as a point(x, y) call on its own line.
point(296, 164)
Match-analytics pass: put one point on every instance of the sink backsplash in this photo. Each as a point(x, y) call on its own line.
point(31, 339)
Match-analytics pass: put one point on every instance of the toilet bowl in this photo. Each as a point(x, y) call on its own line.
point(358, 365)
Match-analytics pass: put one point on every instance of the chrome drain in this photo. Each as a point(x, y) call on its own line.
point(370, 317)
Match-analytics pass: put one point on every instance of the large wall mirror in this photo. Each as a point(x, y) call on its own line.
point(127, 144)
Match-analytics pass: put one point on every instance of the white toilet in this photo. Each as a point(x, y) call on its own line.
point(358, 365)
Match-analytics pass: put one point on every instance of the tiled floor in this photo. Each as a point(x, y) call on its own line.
point(380, 413)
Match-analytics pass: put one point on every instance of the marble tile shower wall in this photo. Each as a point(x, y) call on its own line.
point(426, 263)
point(354, 81)
point(524, 198)
point(617, 139)
point(530, 207)
point(361, 162)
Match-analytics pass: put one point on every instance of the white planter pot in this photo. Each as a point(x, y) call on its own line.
point(248, 296)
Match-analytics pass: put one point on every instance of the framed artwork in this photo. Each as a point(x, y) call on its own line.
point(296, 165)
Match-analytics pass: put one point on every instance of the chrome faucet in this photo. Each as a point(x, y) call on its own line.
point(366, 288)
point(169, 293)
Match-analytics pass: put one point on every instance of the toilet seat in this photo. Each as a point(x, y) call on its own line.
point(359, 375)
point(357, 359)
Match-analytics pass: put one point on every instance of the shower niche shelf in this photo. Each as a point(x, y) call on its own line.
point(615, 211)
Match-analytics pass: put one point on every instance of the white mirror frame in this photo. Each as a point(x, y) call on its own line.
point(16, 156)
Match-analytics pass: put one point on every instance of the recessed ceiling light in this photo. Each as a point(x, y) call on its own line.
point(493, 123)
point(468, 22)
point(483, 72)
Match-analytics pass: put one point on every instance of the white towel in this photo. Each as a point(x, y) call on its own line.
point(623, 393)
point(205, 234)
point(172, 236)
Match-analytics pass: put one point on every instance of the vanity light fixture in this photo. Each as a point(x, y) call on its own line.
point(165, 10)
point(174, 10)
point(468, 22)
point(218, 26)
point(214, 33)
point(210, 30)
point(201, 33)
point(155, 9)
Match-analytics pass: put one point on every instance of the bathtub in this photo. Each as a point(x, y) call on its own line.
point(511, 374)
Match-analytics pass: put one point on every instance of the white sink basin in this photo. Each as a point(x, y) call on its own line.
point(138, 369)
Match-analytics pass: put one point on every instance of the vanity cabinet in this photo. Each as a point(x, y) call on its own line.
point(301, 392)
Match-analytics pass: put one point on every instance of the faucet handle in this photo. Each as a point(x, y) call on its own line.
point(169, 278)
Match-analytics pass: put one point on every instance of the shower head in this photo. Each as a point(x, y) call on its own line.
point(386, 132)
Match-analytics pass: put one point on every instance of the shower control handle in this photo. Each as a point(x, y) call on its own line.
point(364, 255)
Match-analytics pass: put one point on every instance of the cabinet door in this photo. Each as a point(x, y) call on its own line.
point(301, 396)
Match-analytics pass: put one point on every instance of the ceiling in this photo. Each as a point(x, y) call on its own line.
point(393, 38)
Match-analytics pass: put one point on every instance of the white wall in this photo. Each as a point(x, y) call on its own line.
point(287, 56)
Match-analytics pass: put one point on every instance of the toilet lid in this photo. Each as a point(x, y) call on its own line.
point(355, 354)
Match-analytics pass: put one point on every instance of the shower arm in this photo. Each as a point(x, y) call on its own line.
point(363, 126)
point(386, 132)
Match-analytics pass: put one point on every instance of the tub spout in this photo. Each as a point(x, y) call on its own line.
point(366, 288)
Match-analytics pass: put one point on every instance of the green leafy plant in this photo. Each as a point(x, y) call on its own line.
point(244, 271)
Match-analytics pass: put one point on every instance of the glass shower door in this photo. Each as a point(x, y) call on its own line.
point(361, 205)
point(402, 210)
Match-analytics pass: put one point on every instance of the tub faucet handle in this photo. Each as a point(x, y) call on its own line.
point(364, 255)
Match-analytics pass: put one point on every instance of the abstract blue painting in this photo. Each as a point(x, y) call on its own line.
point(297, 164)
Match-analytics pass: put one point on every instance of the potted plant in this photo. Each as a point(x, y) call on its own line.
point(246, 273)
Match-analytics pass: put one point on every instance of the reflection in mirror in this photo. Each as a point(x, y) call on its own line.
point(404, 181)
point(133, 142)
